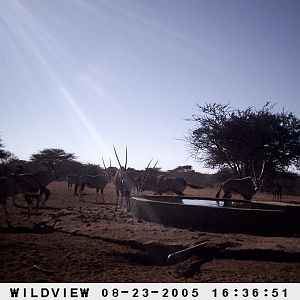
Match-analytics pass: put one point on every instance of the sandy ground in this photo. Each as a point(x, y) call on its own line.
point(86, 241)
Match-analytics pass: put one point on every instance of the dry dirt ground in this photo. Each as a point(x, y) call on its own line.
point(86, 241)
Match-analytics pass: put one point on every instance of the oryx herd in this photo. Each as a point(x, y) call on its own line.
point(34, 186)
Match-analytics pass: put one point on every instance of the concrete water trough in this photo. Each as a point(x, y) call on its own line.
point(218, 215)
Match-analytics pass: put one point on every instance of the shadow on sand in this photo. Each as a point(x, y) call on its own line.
point(39, 228)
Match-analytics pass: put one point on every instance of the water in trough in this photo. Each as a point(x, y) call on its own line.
point(202, 202)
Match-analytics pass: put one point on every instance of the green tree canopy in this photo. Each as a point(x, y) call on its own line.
point(3, 153)
point(6, 156)
point(93, 169)
point(71, 167)
point(6, 160)
point(182, 169)
point(52, 158)
point(245, 140)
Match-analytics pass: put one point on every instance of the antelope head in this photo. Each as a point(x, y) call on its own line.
point(147, 174)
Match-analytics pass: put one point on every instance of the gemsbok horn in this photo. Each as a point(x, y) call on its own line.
point(123, 182)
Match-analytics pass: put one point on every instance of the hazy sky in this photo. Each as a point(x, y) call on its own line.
point(84, 75)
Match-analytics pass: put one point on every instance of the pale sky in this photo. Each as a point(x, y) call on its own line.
point(84, 75)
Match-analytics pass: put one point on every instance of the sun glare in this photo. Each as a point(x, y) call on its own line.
point(48, 52)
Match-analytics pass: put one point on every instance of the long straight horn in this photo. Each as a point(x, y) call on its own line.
point(126, 160)
point(253, 170)
point(148, 165)
point(155, 165)
point(103, 163)
point(262, 170)
point(152, 170)
point(117, 158)
point(145, 173)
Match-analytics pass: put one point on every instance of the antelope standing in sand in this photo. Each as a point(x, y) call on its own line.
point(19, 184)
point(99, 182)
point(246, 186)
point(4, 194)
point(277, 192)
point(44, 178)
point(123, 182)
point(72, 179)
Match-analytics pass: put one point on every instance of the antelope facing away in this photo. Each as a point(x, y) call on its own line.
point(123, 183)
point(246, 186)
point(19, 184)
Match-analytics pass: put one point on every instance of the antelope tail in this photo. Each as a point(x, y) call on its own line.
point(218, 193)
point(193, 186)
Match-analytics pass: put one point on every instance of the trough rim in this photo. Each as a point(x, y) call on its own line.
point(147, 198)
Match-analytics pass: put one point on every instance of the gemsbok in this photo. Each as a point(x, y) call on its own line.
point(277, 192)
point(4, 194)
point(246, 186)
point(98, 182)
point(44, 178)
point(19, 184)
point(123, 183)
point(163, 184)
point(72, 179)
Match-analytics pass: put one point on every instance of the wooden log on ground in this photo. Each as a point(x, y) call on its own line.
point(45, 271)
point(184, 254)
